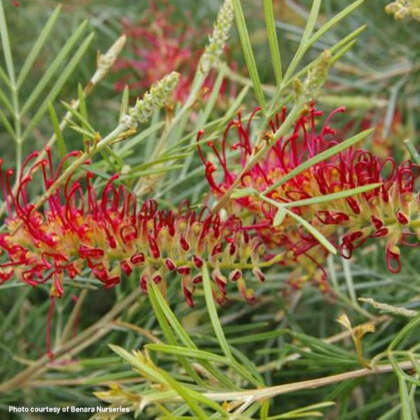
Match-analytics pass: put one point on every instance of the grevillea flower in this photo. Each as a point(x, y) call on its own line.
point(386, 141)
point(402, 9)
point(160, 47)
point(109, 235)
point(391, 211)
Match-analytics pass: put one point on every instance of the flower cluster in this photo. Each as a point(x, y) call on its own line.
point(391, 211)
point(110, 236)
point(220, 35)
point(160, 47)
point(156, 97)
point(402, 9)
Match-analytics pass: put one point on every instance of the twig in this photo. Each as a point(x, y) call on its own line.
point(273, 391)
point(82, 340)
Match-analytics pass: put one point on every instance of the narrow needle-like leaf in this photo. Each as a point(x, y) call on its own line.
point(247, 51)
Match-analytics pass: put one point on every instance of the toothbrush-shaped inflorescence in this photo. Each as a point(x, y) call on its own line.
point(391, 211)
point(154, 99)
point(109, 235)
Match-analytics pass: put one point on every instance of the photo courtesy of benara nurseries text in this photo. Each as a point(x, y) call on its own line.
point(209, 209)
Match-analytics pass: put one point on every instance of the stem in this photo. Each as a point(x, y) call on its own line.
point(78, 343)
point(18, 129)
point(273, 391)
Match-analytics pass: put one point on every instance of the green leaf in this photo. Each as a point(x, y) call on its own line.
point(304, 411)
point(248, 54)
point(330, 197)
point(161, 314)
point(165, 310)
point(187, 352)
point(59, 84)
point(264, 336)
point(314, 232)
point(4, 34)
point(279, 217)
point(413, 151)
point(111, 377)
point(191, 397)
point(270, 24)
point(304, 44)
point(331, 22)
point(146, 369)
point(62, 149)
point(53, 67)
point(99, 361)
point(341, 52)
point(211, 308)
point(403, 389)
point(81, 116)
point(6, 124)
point(243, 192)
point(403, 333)
point(5, 78)
point(83, 108)
point(33, 54)
point(6, 102)
point(340, 46)
point(124, 102)
point(131, 143)
point(14, 311)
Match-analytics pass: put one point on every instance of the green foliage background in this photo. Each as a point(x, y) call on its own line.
point(279, 340)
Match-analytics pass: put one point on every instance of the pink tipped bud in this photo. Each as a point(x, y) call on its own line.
point(402, 218)
point(353, 204)
point(258, 274)
point(157, 278)
point(250, 296)
point(247, 294)
point(57, 288)
point(154, 249)
point(170, 265)
point(219, 298)
point(232, 248)
point(4, 276)
point(99, 271)
point(111, 282)
point(87, 252)
point(378, 223)
point(72, 271)
point(235, 275)
point(111, 240)
point(197, 279)
point(380, 233)
point(220, 280)
point(126, 267)
point(217, 249)
point(184, 271)
point(137, 259)
point(198, 262)
point(184, 244)
point(188, 295)
point(393, 260)
point(143, 283)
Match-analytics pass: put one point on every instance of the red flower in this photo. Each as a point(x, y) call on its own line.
point(110, 236)
point(390, 211)
point(160, 47)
